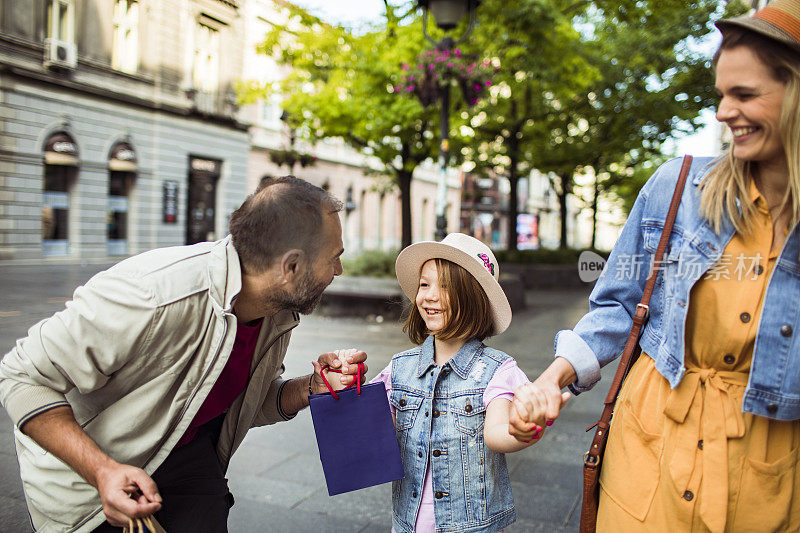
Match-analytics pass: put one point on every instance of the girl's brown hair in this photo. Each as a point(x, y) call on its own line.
point(468, 314)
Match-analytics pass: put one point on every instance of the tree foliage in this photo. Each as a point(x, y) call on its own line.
point(342, 85)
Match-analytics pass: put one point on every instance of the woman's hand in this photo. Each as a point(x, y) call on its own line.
point(539, 403)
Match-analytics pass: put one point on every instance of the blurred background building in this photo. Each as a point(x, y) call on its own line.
point(120, 130)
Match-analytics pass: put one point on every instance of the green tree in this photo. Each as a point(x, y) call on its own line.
point(538, 52)
point(653, 84)
point(341, 85)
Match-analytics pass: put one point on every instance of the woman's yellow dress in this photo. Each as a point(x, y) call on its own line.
point(689, 459)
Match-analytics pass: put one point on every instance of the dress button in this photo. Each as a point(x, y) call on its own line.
point(402, 402)
point(419, 453)
point(437, 453)
point(758, 269)
point(772, 408)
point(688, 495)
point(729, 359)
point(786, 330)
point(468, 408)
point(435, 413)
point(745, 317)
point(439, 495)
point(700, 444)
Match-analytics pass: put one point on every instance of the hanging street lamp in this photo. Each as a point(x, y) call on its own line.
point(447, 14)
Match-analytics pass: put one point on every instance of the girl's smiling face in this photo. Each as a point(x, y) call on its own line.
point(431, 300)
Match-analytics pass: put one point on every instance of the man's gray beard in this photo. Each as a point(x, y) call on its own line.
point(305, 299)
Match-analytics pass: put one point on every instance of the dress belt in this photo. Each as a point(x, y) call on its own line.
point(709, 392)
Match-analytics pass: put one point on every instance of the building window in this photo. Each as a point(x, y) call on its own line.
point(205, 70)
point(122, 169)
point(60, 172)
point(125, 52)
point(59, 20)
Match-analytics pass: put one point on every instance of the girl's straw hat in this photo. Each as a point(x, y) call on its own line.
point(779, 20)
point(464, 251)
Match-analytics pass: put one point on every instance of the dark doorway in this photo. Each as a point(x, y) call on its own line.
point(201, 211)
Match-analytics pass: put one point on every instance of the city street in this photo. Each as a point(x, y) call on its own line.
point(276, 476)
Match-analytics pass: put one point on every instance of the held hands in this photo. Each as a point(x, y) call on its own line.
point(126, 492)
point(345, 360)
point(535, 406)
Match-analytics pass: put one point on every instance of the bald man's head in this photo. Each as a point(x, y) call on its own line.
point(282, 214)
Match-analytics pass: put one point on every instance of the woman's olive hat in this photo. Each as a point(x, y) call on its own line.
point(465, 251)
point(779, 20)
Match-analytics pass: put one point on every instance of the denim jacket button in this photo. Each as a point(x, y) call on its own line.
point(435, 413)
point(419, 453)
point(772, 408)
point(402, 402)
point(414, 494)
point(745, 317)
point(439, 495)
point(468, 408)
point(437, 453)
point(786, 330)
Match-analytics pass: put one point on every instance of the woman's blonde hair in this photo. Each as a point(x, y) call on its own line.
point(726, 187)
point(468, 314)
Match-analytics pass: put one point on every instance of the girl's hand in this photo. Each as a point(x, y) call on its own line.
point(344, 360)
point(535, 406)
point(526, 419)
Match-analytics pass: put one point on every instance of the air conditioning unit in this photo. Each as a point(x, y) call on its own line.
point(60, 54)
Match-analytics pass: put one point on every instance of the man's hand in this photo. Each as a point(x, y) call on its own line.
point(57, 432)
point(126, 492)
point(344, 360)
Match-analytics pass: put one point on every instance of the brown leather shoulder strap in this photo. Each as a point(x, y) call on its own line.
point(643, 308)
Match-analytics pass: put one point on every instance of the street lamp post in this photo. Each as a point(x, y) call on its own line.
point(447, 14)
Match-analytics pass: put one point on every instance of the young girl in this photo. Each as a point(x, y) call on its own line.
point(451, 396)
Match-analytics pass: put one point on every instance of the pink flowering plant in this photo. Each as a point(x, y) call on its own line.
point(435, 68)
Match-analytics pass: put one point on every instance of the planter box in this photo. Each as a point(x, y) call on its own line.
point(537, 276)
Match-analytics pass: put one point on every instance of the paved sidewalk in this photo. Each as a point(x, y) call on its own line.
point(276, 476)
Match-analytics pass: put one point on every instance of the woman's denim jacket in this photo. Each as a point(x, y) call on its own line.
point(599, 337)
point(440, 417)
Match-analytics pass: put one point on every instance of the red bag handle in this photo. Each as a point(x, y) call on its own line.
point(357, 381)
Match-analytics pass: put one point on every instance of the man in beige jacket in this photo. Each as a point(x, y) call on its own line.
point(130, 401)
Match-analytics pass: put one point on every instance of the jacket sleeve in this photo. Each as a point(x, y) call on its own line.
point(599, 336)
point(270, 411)
point(108, 320)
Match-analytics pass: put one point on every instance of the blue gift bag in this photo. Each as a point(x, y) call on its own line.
point(356, 438)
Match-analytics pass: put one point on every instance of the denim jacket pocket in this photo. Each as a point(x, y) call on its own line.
point(651, 235)
point(469, 413)
point(406, 405)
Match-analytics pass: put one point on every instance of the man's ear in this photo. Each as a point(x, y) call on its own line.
point(292, 265)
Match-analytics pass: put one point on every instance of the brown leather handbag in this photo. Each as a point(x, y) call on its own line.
point(592, 460)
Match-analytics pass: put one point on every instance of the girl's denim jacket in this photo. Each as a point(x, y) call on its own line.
point(599, 337)
point(440, 418)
